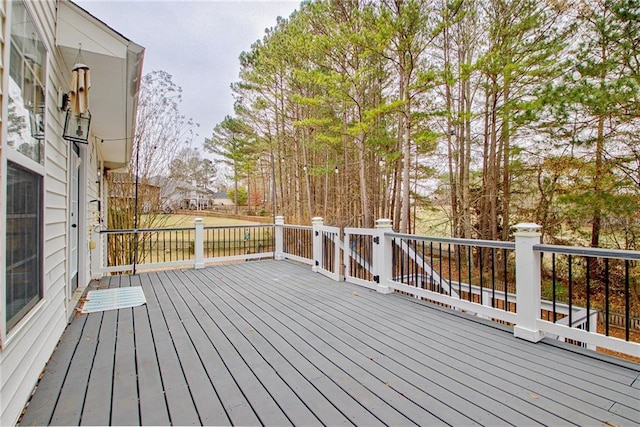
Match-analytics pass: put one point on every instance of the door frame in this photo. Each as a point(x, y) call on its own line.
point(72, 295)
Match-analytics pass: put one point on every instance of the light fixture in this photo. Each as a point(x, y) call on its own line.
point(37, 122)
point(76, 127)
point(64, 101)
point(336, 170)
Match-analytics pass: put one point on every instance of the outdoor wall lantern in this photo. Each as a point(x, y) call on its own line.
point(76, 127)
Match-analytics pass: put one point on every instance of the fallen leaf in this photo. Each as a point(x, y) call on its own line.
point(354, 293)
point(535, 396)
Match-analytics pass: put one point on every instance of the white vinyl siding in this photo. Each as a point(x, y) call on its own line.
point(27, 347)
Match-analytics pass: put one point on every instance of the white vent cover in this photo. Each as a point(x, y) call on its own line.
point(113, 299)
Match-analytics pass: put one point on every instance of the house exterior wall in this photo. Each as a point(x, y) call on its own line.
point(26, 347)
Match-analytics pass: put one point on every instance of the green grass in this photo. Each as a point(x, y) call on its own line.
point(179, 220)
point(432, 222)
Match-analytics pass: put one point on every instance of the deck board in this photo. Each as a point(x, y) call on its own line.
point(177, 315)
point(291, 366)
point(178, 396)
point(248, 392)
point(350, 361)
point(496, 357)
point(124, 401)
point(271, 343)
point(68, 409)
point(458, 362)
point(97, 402)
point(448, 404)
point(286, 408)
point(43, 403)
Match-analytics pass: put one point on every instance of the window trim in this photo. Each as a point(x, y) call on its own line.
point(10, 154)
point(8, 41)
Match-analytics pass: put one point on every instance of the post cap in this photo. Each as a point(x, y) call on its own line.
point(527, 227)
point(383, 223)
point(317, 220)
point(198, 220)
point(279, 219)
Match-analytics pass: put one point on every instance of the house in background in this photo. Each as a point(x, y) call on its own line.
point(53, 189)
point(179, 194)
point(221, 198)
point(122, 194)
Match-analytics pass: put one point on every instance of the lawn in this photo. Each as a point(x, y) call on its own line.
point(180, 220)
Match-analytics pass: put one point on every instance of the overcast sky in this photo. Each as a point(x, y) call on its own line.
point(197, 42)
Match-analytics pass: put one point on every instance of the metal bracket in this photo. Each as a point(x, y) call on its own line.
point(376, 240)
point(376, 279)
point(317, 233)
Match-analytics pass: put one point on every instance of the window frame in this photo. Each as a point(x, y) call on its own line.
point(32, 84)
point(23, 312)
point(8, 155)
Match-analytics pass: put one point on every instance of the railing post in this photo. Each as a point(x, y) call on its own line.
point(198, 244)
point(279, 236)
point(527, 282)
point(96, 247)
point(317, 222)
point(382, 256)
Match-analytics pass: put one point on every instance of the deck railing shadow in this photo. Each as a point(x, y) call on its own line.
point(583, 296)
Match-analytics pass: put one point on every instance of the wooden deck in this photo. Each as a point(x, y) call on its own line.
point(272, 343)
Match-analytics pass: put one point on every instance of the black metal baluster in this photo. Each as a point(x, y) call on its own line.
point(588, 285)
point(469, 273)
point(481, 272)
point(450, 273)
point(440, 266)
point(416, 273)
point(401, 256)
point(570, 291)
point(408, 261)
point(493, 277)
point(164, 247)
point(627, 314)
point(431, 281)
point(506, 280)
point(459, 266)
point(606, 295)
point(553, 286)
point(393, 258)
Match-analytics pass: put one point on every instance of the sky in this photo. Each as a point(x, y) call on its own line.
point(197, 42)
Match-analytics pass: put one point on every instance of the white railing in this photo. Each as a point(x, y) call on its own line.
point(501, 281)
point(294, 242)
point(327, 250)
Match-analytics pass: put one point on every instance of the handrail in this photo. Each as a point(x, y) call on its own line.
point(590, 252)
point(456, 241)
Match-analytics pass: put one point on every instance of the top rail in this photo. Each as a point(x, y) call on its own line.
point(589, 252)
point(456, 241)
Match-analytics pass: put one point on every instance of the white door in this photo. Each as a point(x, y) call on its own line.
point(74, 194)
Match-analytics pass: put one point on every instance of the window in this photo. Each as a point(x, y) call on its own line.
point(26, 107)
point(24, 242)
point(24, 172)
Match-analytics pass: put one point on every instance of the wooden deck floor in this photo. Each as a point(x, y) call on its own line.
point(272, 343)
